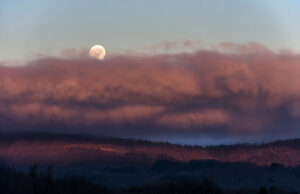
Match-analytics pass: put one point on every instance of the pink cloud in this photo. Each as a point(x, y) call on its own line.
point(251, 89)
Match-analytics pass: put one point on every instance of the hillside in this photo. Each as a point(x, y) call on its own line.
point(63, 149)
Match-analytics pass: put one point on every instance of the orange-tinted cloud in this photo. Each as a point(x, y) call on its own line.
point(250, 89)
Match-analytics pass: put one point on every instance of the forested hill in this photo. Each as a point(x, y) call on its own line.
point(65, 149)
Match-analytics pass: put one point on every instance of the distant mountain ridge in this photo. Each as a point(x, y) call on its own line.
point(25, 148)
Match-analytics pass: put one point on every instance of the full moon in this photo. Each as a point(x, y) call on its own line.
point(98, 52)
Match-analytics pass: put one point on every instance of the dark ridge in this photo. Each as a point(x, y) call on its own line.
point(69, 138)
point(294, 143)
point(85, 138)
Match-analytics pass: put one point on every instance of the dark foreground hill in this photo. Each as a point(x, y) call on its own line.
point(12, 182)
point(168, 177)
point(66, 150)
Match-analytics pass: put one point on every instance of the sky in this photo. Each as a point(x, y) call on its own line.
point(32, 27)
point(190, 72)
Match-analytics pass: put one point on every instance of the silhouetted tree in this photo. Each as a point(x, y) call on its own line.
point(275, 166)
point(263, 190)
point(33, 175)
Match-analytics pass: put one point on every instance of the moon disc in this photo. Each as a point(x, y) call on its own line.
point(98, 52)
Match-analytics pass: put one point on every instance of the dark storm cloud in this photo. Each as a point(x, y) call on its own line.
point(236, 89)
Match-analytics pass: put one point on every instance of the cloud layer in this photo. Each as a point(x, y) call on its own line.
point(234, 89)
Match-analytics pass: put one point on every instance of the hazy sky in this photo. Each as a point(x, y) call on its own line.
point(207, 96)
point(29, 27)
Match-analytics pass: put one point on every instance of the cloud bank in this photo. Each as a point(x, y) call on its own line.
point(234, 89)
